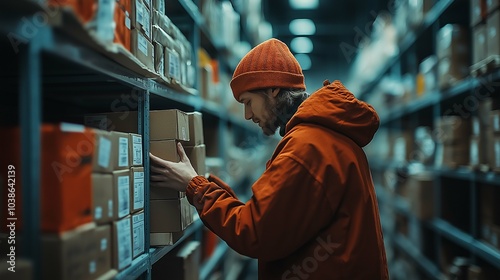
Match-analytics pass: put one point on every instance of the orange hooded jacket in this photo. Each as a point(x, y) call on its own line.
point(313, 213)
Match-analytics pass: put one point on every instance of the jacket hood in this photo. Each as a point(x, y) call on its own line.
point(335, 107)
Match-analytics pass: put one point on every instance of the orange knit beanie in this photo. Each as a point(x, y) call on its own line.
point(269, 65)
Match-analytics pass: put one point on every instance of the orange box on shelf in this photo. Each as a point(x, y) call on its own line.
point(65, 172)
point(122, 19)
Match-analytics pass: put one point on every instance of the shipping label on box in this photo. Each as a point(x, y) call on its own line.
point(121, 189)
point(195, 129)
point(142, 48)
point(174, 65)
point(122, 243)
point(102, 188)
point(104, 21)
point(68, 255)
point(103, 152)
point(137, 189)
point(120, 146)
point(101, 260)
point(137, 234)
point(135, 149)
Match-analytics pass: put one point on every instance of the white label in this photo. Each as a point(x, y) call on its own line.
point(497, 153)
point(123, 152)
point(69, 127)
point(161, 6)
point(104, 152)
point(123, 196)
point(139, 12)
point(183, 132)
point(98, 213)
point(147, 24)
point(124, 243)
point(173, 67)
point(128, 24)
point(137, 149)
point(110, 208)
point(138, 236)
point(104, 244)
point(92, 267)
point(104, 19)
point(143, 44)
point(138, 190)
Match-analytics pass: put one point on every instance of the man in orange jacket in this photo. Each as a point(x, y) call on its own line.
point(313, 213)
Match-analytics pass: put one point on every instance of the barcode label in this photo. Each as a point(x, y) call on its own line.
point(138, 190)
point(138, 234)
point(124, 243)
point(173, 67)
point(104, 155)
point(143, 44)
point(123, 152)
point(123, 196)
point(128, 23)
point(137, 147)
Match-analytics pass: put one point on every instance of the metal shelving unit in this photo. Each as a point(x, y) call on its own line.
point(54, 59)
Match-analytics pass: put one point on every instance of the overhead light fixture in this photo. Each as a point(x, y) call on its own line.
point(301, 45)
point(302, 27)
point(304, 4)
point(304, 61)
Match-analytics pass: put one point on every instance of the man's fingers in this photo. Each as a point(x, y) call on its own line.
point(182, 153)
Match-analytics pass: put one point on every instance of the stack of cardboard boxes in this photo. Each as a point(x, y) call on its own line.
point(85, 199)
point(452, 50)
point(452, 134)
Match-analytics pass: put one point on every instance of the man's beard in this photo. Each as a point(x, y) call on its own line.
point(279, 112)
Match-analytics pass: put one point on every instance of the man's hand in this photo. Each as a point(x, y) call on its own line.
point(174, 175)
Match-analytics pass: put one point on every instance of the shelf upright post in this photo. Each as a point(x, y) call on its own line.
point(143, 129)
point(30, 116)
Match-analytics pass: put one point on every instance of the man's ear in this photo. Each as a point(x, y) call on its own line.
point(273, 92)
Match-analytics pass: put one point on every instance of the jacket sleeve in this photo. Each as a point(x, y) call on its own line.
point(288, 208)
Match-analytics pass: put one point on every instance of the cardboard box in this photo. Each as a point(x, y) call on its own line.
point(135, 153)
point(163, 124)
point(103, 204)
point(137, 189)
point(68, 255)
point(120, 150)
point(142, 48)
point(453, 42)
point(493, 32)
point(452, 129)
point(479, 47)
point(137, 234)
point(421, 195)
point(141, 19)
point(173, 63)
point(165, 149)
point(103, 152)
point(195, 129)
point(121, 193)
point(164, 238)
point(101, 261)
point(23, 270)
point(159, 5)
point(451, 71)
point(122, 243)
point(452, 156)
point(478, 12)
point(158, 193)
point(159, 58)
point(168, 215)
point(162, 21)
point(183, 264)
point(123, 23)
point(197, 156)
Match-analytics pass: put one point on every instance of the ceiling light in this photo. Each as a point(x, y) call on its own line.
point(302, 27)
point(304, 61)
point(304, 4)
point(301, 45)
